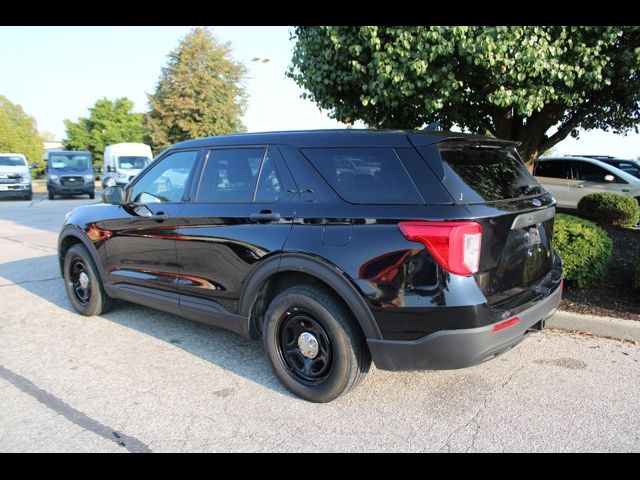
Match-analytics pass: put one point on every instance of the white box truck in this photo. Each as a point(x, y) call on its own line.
point(123, 161)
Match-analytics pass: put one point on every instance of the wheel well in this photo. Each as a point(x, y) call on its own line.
point(276, 284)
point(67, 242)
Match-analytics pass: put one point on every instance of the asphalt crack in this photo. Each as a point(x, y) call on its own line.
point(30, 281)
point(77, 417)
point(475, 418)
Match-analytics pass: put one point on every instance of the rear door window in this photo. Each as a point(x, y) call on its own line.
point(552, 169)
point(478, 174)
point(230, 175)
point(365, 175)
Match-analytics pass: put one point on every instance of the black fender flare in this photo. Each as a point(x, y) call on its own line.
point(316, 267)
point(76, 232)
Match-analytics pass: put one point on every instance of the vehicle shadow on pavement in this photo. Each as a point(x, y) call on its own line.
point(41, 276)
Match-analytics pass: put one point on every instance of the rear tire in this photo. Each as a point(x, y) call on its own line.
point(314, 345)
point(83, 284)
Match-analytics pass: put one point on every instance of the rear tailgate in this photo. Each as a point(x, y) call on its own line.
point(517, 261)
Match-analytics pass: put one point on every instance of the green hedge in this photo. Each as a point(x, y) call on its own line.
point(585, 249)
point(610, 208)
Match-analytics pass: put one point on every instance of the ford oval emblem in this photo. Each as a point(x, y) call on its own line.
point(536, 202)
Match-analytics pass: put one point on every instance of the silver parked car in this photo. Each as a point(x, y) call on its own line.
point(569, 179)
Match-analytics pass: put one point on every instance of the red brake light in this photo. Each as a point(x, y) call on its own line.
point(454, 245)
point(499, 326)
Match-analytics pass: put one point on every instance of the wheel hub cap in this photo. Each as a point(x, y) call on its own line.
point(84, 280)
point(308, 345)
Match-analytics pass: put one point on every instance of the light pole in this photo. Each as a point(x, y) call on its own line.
point(260, 61)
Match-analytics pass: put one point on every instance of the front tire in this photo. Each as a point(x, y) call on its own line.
point(83, 284)
point(51, 196)
point(92, 196)
point(314, 346)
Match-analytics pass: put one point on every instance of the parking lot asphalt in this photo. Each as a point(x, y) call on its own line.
point(137, 380)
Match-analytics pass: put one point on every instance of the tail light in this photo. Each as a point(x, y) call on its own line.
point(454, 245)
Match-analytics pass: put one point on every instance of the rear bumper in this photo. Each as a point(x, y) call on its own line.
point(450, 349)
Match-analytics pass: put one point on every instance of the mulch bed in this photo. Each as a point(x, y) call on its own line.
point(615, 297)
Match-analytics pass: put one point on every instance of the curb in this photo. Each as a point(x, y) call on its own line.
point(617, 328)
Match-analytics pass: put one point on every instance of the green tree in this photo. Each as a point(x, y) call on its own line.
point(110, 121)
point(199, 92)
point(512, 82)
point(18, 132)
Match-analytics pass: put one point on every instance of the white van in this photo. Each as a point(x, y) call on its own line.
point(15, 176)
point(123, 161)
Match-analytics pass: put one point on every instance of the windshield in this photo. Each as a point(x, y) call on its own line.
point(70, 161)
point(474, 174)
point(132, 163)
point(12, 161)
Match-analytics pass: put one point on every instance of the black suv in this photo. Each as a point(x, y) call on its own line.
point(419, 250)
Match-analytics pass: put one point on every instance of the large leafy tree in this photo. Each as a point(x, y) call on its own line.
point(536, 85)
point(109, 121)
point(199, 92)
point(18, 132)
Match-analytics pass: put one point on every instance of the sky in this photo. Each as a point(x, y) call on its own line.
point(59, 72)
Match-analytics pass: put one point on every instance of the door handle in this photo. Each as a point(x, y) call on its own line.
point(264, 216)
point(159, 217)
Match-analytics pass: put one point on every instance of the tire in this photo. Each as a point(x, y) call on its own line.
point(96, 301)
point(28, 197)
point(309, 310)
point(51, 196)
point(92, 196)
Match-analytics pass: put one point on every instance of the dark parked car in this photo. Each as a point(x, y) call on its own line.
point(70, 173)
point(434, 252)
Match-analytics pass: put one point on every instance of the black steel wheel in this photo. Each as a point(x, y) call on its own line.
point(305, 346)
point(314, 344)
point(82, 282)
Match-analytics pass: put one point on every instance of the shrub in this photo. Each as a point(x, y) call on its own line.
point(636, 277)
point(611, 208)
point(585, 249)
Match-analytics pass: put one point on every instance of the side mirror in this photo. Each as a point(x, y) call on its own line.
point(113, 195)
point(609, 178)
point(110, 182)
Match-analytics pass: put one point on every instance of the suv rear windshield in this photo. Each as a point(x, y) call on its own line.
point(478, 174)
point(365, 175)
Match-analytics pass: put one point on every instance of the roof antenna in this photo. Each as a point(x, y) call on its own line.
point(432, 127)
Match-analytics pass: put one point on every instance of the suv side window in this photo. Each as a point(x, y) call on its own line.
point(166, 181)
point(552, 169)
point(363, 175)
point(593, 173)
point(239, 175)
